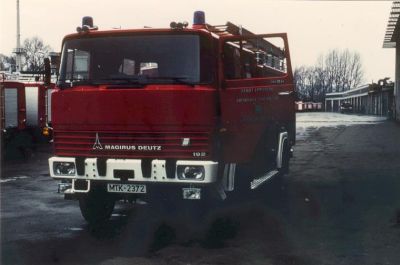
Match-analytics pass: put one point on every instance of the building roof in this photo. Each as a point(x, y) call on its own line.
point(393, 27)
point(363, 90)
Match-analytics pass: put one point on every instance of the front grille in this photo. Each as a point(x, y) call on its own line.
point(160, 145)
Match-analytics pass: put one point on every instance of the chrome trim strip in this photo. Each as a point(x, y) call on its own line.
point(258, 181)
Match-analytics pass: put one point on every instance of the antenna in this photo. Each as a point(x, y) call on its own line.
point(18, 50)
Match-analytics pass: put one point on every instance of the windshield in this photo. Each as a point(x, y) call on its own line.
point(132, 59)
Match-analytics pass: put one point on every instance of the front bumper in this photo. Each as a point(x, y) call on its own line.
point(158, 171)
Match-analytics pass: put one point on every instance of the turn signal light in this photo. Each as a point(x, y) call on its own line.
point(46, 131)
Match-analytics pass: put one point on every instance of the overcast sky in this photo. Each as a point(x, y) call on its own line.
point(313, 27)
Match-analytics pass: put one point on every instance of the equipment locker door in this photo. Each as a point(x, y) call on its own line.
point(32, 105)
point(14, 114)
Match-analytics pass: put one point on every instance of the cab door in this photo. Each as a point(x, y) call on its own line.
point(256, 91)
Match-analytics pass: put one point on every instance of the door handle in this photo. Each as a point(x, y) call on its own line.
point(285, 93)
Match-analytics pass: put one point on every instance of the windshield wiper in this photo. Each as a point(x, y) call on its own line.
point(134, 81)
point(178, 79)
point(118, 80)
point(77, 82)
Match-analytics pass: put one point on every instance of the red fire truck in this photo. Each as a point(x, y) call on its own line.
point(24, 112)
point(143, 112)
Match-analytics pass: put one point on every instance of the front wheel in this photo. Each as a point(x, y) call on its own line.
point(96, 206)
point(285, 158)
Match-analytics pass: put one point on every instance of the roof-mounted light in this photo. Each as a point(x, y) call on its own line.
point(87, 24)
point(199, 18)
point(178, 25)
point(87, 21)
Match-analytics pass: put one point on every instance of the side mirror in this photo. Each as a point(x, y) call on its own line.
point(55, 62)
point(47, 72)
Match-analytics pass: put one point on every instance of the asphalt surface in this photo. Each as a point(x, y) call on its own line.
point(340, 204)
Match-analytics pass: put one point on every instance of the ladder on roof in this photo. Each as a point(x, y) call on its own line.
point(260, 46)
point(229, 28)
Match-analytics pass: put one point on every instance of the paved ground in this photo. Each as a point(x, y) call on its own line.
point(340, 204)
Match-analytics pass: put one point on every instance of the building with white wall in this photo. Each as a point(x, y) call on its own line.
point(392, 40)
point(371, 99)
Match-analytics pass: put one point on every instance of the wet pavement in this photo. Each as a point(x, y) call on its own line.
point(340, 204)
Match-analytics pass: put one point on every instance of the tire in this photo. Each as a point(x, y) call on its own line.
point(97, 206)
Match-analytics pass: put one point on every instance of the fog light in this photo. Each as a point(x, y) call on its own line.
point(191, 193)
point(191, 172)
point(63, 187)
point(64, 168)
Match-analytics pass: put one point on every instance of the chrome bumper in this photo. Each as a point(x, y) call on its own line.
point(158, 170)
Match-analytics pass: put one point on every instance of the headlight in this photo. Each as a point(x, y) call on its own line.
point(191, 172)
point(64, 168)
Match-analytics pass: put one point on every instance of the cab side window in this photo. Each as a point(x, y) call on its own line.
point(253, 58)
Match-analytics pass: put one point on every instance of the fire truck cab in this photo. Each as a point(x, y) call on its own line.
point(143, 112)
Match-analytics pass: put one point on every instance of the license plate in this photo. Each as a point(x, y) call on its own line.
point(126, 188)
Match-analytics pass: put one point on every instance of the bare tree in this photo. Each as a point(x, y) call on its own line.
point(343, 70)
point(7, 63)
point(300, 82)
point(355, 72)
point(35, 52)
point(336, 72)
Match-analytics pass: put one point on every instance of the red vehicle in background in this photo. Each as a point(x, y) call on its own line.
point(25, 111)
point(148, 112)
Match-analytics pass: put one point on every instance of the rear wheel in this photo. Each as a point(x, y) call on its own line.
point(96, 206)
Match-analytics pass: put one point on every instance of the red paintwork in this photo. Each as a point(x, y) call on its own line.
point(127, 116)
point(122, 32)
point(245, 123)
point(156, 106)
